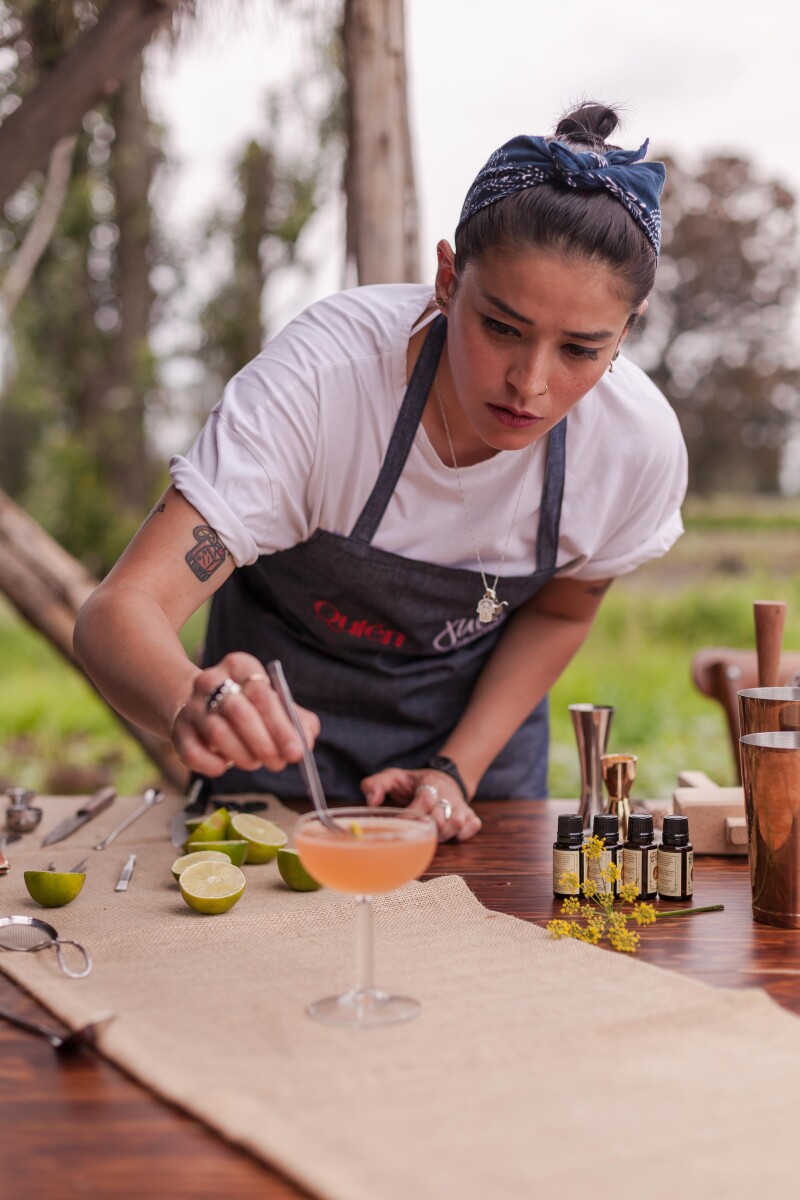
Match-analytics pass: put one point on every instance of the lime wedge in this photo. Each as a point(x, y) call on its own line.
point(235, 850)
point(204, 855)
point(53, 889)
point(211, 887)
point(212, 829)
point(294, 874)
point(265, 837)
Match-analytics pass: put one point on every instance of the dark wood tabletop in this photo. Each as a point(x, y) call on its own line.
point(79, 1127)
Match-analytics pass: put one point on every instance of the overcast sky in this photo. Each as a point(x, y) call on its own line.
point(693, 76)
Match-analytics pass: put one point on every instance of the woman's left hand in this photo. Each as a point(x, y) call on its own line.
point(428, 791)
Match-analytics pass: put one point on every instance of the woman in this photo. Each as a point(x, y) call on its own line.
point(416, 500)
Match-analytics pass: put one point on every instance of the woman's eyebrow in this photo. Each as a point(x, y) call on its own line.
point(599, 336)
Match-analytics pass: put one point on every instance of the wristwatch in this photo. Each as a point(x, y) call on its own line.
point(440, 762)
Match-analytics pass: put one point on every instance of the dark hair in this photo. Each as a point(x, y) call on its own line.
point(578, 224)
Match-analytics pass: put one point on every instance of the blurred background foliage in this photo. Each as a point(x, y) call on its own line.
point(109, 304)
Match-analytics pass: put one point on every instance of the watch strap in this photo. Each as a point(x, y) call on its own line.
point(440, 762)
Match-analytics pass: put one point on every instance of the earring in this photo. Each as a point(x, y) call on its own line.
point(611, 364)
point(440, 302)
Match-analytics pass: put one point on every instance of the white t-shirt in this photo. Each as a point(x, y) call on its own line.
point(297, 441)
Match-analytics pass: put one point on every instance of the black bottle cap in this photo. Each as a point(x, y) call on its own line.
point(675, 831)
point(640, 827)
point(569, 824)
point(606, 827)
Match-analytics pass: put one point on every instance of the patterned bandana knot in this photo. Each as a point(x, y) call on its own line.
point(525, 162)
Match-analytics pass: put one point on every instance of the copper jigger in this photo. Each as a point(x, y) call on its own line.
point(592, 725)
point(619, 773)
point(771, 781)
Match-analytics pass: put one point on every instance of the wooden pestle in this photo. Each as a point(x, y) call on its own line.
point(770, 618)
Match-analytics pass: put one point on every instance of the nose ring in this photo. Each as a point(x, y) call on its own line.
point(542, 393)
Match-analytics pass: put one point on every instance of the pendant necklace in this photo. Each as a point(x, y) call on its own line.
point(489, 607)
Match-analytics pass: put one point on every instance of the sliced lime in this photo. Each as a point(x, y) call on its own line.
point(265, 837)
point(235, 850)
point(204, 855)
point(211, 887)
point(294, 874)
point(212, 829)
point(53, 889)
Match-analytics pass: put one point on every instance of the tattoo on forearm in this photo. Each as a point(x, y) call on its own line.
point(208, 554)
point(599, 589)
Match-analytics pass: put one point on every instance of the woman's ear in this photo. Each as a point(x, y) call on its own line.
point(445, 272)
point(633, 320)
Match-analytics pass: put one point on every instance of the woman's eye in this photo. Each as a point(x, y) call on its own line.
point(583, 352)
point(500, 328)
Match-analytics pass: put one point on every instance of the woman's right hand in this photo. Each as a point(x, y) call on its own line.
point(247, 729)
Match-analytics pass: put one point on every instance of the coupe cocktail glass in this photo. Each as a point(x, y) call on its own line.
point(381, 849)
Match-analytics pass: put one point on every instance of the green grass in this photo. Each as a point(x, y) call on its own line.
point(637, 658)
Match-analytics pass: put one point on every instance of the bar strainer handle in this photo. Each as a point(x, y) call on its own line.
point(62, 962)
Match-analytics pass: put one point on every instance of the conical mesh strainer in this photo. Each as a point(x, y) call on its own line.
point(29, 933)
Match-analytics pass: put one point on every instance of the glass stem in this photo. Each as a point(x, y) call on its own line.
point(364, 957)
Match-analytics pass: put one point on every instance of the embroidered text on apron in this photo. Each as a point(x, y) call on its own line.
point(385, 649)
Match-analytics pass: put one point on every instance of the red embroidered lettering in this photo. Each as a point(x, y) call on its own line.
point(329, 615)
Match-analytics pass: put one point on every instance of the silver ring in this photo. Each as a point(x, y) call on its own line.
point(447, 808)
point(215, 699)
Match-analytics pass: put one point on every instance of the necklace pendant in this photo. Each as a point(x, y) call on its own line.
point(489, 607)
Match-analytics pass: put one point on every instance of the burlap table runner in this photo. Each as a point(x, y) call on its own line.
point(537, 1068)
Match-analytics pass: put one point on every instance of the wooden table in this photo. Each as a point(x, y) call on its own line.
point(82, 1128)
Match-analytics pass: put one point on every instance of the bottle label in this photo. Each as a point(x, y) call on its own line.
point(652, 869)
point(594, 867)
point(669, 873)
point(632, 867)
point(563, 861)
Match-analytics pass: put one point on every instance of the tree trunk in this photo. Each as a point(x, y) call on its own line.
point(125, 450)
point(379, 178)
point(47, 586)
point(89, 72)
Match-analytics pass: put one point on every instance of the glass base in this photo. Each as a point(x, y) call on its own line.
point(364, 1007)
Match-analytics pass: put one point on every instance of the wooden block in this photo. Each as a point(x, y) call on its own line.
point(716, 818)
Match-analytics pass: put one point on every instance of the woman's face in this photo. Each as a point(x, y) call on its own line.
point(518, 322)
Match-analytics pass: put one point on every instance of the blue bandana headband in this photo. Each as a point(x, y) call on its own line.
point(526, 161)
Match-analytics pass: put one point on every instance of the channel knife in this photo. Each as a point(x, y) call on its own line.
point(97, 804)
point(125, 877)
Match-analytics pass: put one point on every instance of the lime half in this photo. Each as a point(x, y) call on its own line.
point(235, 850)
point(53, 889)
point(265, 837)
point(188, 860)
point(212, 829)
point(211, 887)
point(294, 874)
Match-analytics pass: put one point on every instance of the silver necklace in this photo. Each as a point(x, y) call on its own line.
point(489, 607)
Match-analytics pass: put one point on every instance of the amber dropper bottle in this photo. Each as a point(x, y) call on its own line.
point(640, 856)
point(605, 826)
point(675, 860)
point(567, 856)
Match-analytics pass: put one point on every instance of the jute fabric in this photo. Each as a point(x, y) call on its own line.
point(537, 1068)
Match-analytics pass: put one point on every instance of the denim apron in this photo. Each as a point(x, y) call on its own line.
point(385, 649)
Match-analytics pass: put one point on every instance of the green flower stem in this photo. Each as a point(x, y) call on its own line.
point(687, 912)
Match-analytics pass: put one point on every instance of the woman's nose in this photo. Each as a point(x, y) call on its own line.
point(529, 377)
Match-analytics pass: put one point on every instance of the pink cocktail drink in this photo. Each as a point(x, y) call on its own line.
point(385, 853)
point(379, 849)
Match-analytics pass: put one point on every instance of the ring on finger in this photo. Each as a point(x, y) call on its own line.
point(446, 807)
point(432, 790)
point(256, 677)
point(215, 699)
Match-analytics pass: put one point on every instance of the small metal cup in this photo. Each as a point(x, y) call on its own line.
point(771, 781)
point(22, 818)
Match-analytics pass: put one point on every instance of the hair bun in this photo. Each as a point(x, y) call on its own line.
point(589, 125)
